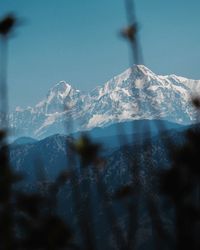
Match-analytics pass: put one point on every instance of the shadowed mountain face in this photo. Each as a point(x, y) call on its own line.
point(51, 154)
point(136, 94)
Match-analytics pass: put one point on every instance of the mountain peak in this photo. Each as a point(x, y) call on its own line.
point(136, 71)
point(61, 87)
point(143, 69)
point(60, 90)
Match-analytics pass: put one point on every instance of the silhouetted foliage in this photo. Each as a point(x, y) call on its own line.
point(181, 184)
point(7, 24)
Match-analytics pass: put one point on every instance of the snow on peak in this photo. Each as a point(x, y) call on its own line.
point(61, 87)
point(59, 91)
point(123, 77)
point(143, 69)
point(136, 70)
point(19, 109)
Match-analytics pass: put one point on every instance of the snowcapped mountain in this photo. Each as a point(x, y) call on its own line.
point(137, 93)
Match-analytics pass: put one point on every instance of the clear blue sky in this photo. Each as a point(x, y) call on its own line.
point(77, 41)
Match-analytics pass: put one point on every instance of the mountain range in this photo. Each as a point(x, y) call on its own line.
point(51, 154)
point(136, 94)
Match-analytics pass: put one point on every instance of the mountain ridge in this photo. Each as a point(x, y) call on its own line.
point(135, 94)
point(52, 152)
